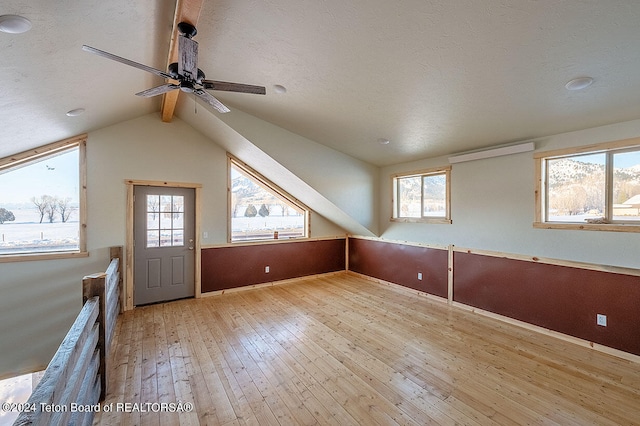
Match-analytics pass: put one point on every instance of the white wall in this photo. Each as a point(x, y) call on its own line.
point(348, 182)
point(492, 207)
point(340, 187)
point(40, 299)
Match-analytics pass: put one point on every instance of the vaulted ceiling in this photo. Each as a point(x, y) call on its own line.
point(433, 77)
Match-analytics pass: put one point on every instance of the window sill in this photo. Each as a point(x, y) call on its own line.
point(435, 220)
point(269, 241)
point(42, 256)
point(610, 227)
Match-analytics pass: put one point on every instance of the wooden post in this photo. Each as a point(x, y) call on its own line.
point(450, 275)
point(94, 285)
point(346, 252)
point(117, 252)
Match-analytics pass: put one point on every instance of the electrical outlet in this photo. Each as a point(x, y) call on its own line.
point(420, 276)
point(601, 320)
point(266, 269)
point(205, 234)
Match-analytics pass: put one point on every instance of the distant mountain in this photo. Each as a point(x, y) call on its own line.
point(244, 188)
point(631, 174)
point(566, 171)
point(247, 191)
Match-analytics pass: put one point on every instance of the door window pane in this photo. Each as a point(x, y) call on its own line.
point(165, 238)
point(165, 220)
point(165, 203)
point(153, 239)
point(178, 220)
point(177, 203)
point(153, 203)
point(153, 221)
point(178, 237)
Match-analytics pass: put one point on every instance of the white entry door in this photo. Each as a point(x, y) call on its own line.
point(164, 247)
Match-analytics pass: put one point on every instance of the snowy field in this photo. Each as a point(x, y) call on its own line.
point(244, 228)
point(269, 222)
point(27, 234)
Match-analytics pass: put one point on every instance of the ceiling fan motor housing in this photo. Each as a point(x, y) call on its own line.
point(173, 71)
point(187, 29)
point(187, 86)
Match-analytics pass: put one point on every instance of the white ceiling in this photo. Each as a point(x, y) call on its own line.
point(435, 77)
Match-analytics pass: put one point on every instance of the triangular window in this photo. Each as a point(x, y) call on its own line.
point(259, 210)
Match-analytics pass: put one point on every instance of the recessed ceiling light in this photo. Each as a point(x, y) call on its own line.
point(279, 89)
point(14, 24)
point(75, 112)
point(383, 141)
point(579, 83)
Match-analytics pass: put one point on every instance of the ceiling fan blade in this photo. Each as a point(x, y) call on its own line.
point(158, 90)
point(233, 87)
point(208, 98)
point(188, 61)
point(124, 61)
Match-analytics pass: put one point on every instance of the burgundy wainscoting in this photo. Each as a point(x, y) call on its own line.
point(238, 266)
point(400, 264)
point(560, 298)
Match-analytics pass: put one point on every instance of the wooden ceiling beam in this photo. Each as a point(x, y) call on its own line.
point(186, 11)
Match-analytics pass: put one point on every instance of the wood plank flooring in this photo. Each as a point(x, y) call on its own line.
point(342, 350)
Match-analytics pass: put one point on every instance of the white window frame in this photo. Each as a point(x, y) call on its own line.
point(233, 161)
point(542, 190)
point(395, 178)
point(38, 154)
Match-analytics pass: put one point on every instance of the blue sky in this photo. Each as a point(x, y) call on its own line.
point(627, 160)
point(56, 176)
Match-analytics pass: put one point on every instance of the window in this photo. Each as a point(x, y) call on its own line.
point(258, 210)
point(422, 196)
point(165, 220)
point(42, 207)
point(595, 187)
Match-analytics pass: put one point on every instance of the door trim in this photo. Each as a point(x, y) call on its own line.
point(128, 282)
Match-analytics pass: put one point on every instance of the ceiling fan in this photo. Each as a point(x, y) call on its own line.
point(190, 78)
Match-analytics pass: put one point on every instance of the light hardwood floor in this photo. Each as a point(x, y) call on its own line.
point(342, 350)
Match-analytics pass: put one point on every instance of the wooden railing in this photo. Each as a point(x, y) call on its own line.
point(75, 380)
